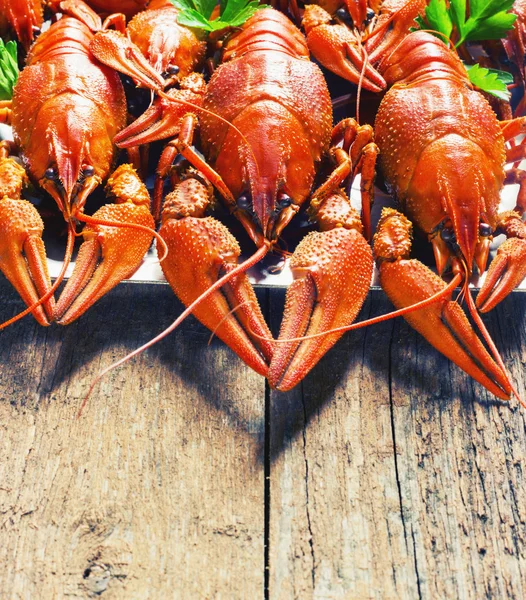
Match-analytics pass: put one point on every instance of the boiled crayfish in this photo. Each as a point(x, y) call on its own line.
point(265, 126)
point(253, 166)
point(265, 131)
point(442, 152)
point(66, 110)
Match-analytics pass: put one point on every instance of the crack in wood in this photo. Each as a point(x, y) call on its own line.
point(415, 554)
point(266, 494)
point(307, 508)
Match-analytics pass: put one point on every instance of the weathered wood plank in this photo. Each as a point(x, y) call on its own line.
point(393, 475)
point(460, 456)
point(157, 490)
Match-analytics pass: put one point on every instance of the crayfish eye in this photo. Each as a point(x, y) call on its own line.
point(485, 230)
point(172, 70)
point(448, 235)
point(88, 171)
point(50, 173)
point(284, 200)
point(343, 15)
point(244, 202)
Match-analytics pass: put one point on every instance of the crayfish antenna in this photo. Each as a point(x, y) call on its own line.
point(107, 223)
point(53, 288)
point(241, 268)
point(374, 320)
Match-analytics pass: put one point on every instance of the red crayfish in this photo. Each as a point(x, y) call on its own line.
point(265, 127)
point(66, 110)
point(265, 130)
point(442, 152)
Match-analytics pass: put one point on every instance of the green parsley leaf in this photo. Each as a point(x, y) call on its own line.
point(488, 19)
point(203, 8)
point(474, 21)
point(197, 13)
point(8, 69)
point(236, 13)
point(438, 17)
point(494, 27)
point(458, 13)
point(490, 80)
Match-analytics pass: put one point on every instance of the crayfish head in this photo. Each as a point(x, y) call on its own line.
point(446, 247)
point(270, 172)
point(456, 201)
point(75, 158)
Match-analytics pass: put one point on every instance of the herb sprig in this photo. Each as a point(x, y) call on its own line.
point(232, 13)
point(8, 69)
point(490, 80)
point(485, 20)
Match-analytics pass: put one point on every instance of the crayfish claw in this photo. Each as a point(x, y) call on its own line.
point(116, 239)
point(200, 251)
point(338, 49)
point(332, 272)
point(505, 273)
point(443, 323)
point(23, 256)
point(22, 253)
point(115, 50)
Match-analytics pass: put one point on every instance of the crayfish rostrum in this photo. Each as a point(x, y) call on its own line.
point(260, 133)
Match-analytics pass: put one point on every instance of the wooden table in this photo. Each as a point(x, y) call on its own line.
point(387, 474)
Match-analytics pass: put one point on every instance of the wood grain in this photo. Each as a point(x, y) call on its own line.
point(395, 476)
point(157, 490)
point(390, 473)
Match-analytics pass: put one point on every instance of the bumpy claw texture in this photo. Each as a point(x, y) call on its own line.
point(336, 211)
point(13, 177)
point(109, 254)
point(332, 273)
point(443, 323)
point(22, 253)
point(200, 251)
